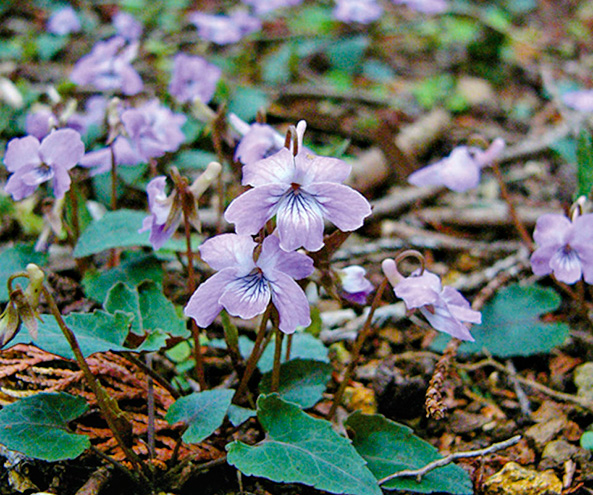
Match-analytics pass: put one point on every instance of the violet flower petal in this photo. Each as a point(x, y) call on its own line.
point(22, 152)
point(278, 169)
point(252, 209)
point(290, 301)
point(229, 250)
point(247, 296)
point(332, 198)
point(299, 220)
point(204, 306)
point(272, 257)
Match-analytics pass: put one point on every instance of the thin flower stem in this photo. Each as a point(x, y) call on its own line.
point(75, 226)
point(277, 360)
point(288, 347)
point(152, 373)
point(525, 237)
point(113, 178)
point(254, 357)
point(113, 416)
point(191, 287)
point(150, 428)
point(360, 340)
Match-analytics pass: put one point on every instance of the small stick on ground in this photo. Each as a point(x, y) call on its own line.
point(419, 473)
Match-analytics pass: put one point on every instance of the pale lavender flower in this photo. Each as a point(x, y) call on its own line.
point(581, 100)
point(261, 7)
point(244, 287)
point(425, 6)
point(108, 67)
point(362, 11)
point(63, 22)
point(153, 129)
point(222, 29)
point(565, 248)
point(300, 191)
point(166, 212)
point(445, 308)
point(160, 222)
point(193, 77)
point(355, 285)
point(33, 163)
point(99, 161)
point(127, 26)
point(461, 170)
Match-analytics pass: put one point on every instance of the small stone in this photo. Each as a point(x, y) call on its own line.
point(558, 452)
point(514, 479)
point(542, 433)
point(360, 398)
point(464, 422)
point(583, 379)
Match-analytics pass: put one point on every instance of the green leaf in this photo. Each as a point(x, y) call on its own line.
point(115, 229)
point(511, 324)
point(346, 54)
point(304, 346)
point(584, 164)
point(302, 449)
point(15, 259)
point(302, 381)
point(238, 415)
point(95, 332)
point(247, 101)
point(148, 306)
point(132, 270)
point(202, 412)
point(389, 447)
point(37, 426)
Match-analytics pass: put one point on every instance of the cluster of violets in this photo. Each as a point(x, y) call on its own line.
point(292, 187)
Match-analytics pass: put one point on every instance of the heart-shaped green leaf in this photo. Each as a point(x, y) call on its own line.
point(202, 412)
point(389, 447)
point(302, 381)
point(512, 324)
point(302, 449)
point(37, 426)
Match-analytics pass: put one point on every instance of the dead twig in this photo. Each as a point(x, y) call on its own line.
point(561, 396)
point(419, 473)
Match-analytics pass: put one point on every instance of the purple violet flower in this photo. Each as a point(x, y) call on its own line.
point(258, 141)
point(153, 129)
point(32, 162)
point(63, 22)
point(361, 11)
point(565, 248)
point(108, 67)
point(100, 160)
point(300, 191)
point(581, 100)
point(355, 285)
point(193, 77)
point(425, 6)
point(460, 171)
point(261, 7)
point(161, 226)
point(166, 212)
point(444, 308)
point(222, 29)
point(127, 26)
point(244, 286)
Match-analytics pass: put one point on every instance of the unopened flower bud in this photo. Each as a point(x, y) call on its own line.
point(9, 324)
